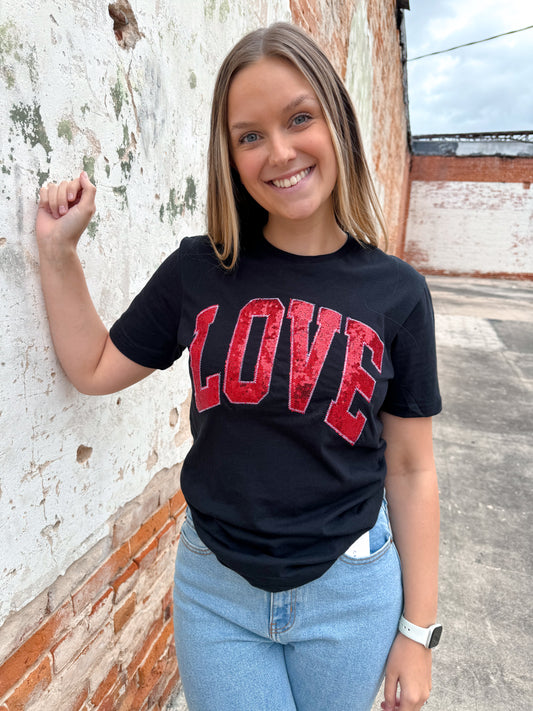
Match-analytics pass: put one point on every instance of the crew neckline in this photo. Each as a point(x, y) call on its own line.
point(268, 247)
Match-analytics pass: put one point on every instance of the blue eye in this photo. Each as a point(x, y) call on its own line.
point(249, 138)
point(301, 119)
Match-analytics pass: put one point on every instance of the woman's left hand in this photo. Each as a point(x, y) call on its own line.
point(409, 666)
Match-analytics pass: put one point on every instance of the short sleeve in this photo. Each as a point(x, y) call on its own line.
point(414, 390)
point(147, 332)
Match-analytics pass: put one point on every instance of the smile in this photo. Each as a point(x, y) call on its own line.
point(293, 180)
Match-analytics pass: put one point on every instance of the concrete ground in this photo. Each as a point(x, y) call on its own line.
point(484, 452)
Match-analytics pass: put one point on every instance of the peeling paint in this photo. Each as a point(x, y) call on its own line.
point(88, 167)
point(125, 151)
point(29, 120)
point(209, 9)
point(92, 227)
point(192, 80)
point(119, 96)
point(64, 130)
point(190, 194)
point(174, 206)
point(121, 190)
point(223, 11)
point(7, 45)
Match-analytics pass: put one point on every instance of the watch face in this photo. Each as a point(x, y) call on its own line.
point(435, 637)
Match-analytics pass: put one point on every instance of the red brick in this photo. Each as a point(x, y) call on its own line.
point(491, 169)
point(110, 702)
point(171, 685)
point(166, 604)
point(123, 614)
point(167, 535)
point(35, 683)
point(106, 685)
point(149, 529)
point(33, 648)
point(101, 578)
point(80, 701)
point(157, 697)
point(147, 555)
point(146, 644)
point(177, 503)
point(126, 702)
point(100, 602)
point(122, 585)
point(156, 652)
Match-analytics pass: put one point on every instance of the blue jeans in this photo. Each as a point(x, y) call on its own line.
point(319, 647)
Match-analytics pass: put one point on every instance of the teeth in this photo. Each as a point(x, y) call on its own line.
point(293, 180)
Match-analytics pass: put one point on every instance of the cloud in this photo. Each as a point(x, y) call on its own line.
point(484, 87)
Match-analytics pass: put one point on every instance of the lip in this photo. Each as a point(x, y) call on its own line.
point(303, 172)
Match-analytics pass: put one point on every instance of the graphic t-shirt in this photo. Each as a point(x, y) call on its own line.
point(292, 359)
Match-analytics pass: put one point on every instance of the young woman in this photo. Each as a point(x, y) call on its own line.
point(311, 352)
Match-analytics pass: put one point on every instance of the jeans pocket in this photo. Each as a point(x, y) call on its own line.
point(191, 539)
point(380, 540)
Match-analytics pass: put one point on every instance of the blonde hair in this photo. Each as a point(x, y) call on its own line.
point(230, 209)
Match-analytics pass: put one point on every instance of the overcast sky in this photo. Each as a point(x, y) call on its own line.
point(486, 87)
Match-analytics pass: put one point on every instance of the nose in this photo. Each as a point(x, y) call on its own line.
point(281, 149)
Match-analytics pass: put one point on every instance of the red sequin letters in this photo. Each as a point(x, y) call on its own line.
point(355, 379)
point(306, 365)
point(207, 395)
point(251, 392)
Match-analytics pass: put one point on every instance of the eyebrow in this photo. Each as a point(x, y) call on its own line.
point(302, 98)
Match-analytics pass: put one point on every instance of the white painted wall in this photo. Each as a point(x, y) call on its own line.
point(470, 228)
point(70, 98)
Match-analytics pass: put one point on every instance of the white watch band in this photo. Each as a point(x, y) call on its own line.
point(428, 636)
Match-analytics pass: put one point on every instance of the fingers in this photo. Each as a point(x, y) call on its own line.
point(88, 192)
point(58, 199)
point(391, 685)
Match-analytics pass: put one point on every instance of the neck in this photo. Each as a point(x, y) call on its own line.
point(303, 237)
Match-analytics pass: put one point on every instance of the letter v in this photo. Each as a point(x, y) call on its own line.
point(306, 364)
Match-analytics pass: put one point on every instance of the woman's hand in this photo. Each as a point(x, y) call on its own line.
point(64, 212)
point(409, 666)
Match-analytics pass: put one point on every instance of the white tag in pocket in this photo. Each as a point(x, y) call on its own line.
point(360, 548)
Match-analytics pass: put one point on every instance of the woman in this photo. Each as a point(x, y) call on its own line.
point(309, 350)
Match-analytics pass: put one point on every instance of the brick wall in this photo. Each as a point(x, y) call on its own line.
point(101, 637)
point(471, 216)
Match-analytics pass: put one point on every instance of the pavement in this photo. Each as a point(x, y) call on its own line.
point(483, 448)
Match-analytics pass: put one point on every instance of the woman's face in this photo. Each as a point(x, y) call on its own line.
point(280, 143)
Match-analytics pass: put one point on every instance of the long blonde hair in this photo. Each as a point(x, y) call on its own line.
point(230, 208)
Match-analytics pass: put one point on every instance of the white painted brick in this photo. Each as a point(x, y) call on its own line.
point(129, 519)
point(81, 569)
point(21, 624)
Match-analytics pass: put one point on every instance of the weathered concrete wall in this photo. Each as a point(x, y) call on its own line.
point(471, 216)
point(137, 120)
point(89, 487)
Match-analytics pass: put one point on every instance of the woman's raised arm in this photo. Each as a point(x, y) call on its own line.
point(81, 341)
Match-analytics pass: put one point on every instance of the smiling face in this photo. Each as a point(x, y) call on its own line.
point(280, 143)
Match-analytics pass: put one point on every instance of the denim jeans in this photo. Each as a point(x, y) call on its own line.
point(319, 647)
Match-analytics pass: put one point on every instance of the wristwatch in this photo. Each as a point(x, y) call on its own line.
point(428, 636)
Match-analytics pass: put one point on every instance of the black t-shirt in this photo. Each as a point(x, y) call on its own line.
point(291, 358)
